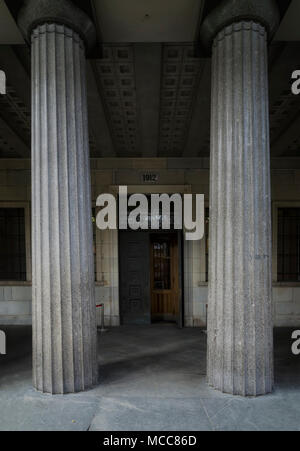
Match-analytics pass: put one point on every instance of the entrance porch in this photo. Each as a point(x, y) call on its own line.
point(152, 378)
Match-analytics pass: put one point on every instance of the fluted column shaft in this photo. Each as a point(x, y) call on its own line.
point(64, 326)
point(240, 343)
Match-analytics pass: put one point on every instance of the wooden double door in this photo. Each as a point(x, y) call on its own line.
point(150, 277)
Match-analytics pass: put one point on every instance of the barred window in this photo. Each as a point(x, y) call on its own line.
point(289, 244)
point(12, 244)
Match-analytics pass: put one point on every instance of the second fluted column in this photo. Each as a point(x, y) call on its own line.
point(240, 328)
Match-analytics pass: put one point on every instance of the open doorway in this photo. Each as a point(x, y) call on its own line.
point(164, 277)
point(150, 268)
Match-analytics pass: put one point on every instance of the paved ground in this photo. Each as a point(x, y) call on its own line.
point(151, 378)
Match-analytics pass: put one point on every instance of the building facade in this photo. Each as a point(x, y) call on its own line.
point(158, 110)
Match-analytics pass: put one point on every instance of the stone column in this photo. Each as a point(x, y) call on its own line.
point(64, 325)
point(240, 330)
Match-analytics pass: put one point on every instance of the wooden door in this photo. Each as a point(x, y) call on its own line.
point(165, 286)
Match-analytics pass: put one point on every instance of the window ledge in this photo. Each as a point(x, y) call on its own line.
point(14, 283)
point(286, 284)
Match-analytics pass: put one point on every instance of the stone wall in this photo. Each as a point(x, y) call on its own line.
point(189, 175)
point(107, 285)
point(15, 305)
point(286, 306)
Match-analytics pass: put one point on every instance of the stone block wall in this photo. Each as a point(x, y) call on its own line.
point(190, 175)
point(15, 305)
point(286, 306)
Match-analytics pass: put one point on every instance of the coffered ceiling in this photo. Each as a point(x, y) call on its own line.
point(149, 87)
point(9, 32)
point(289, 29)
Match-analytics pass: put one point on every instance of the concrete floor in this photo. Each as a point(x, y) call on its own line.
point(151, 378)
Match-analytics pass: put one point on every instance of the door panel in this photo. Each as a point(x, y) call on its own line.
point(134, 278)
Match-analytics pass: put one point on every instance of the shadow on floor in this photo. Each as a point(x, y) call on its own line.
point(151, 378)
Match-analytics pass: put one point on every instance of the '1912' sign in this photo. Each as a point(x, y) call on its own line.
point(150, 177)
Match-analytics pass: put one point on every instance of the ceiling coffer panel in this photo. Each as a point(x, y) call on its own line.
point(16, 125)
point(116, 73)
point(180, 80)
